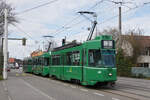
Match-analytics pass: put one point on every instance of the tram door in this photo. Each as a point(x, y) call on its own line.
point(63, 63)
point(83, 62)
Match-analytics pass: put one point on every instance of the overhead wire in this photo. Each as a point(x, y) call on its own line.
point(33, 8)
point(21, 30)
point(111, 18)
point(63, 27)
point(123, 13)
point(75, 24)
point(95, 5)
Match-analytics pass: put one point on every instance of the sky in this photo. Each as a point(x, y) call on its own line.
point(61, 18)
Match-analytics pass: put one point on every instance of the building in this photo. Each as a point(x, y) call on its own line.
point(15, 63)
point(144, 43)
point(143, 62)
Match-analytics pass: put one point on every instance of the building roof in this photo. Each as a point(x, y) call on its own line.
point(144, 40)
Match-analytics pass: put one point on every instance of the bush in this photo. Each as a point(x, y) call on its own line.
point(1, 69)
point(148, 78)
point(124, 64)
point(139, 76)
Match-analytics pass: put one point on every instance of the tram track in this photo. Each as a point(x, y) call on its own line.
point(119, 90)
point(116, 91)
point(128, 94)
point(131, 97)
point(135, 80)
point(120, 85)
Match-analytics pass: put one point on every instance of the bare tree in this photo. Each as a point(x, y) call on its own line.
point(111, 31)
point(131, 42)
point(11, 15)
point(11, 20)
point(136, 39)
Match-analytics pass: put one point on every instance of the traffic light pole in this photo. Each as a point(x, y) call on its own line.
point(5, 49)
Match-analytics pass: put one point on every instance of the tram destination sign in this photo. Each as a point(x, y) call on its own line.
point(107, 44)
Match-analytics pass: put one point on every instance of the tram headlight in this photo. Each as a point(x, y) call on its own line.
point(110, 74)
point(99, 72)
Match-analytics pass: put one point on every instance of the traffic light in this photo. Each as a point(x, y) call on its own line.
point(24, 41)
point(63, 42)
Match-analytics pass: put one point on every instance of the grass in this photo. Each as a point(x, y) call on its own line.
point(148, 78)
point(1, 78)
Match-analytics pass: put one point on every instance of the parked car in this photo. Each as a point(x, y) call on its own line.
point(8, 69)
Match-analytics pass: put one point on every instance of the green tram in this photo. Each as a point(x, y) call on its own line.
point(89, 63)
point(27, 65)
point(38, 64)
point(41, 64)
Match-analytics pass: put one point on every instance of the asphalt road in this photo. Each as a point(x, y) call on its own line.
point(20, 86)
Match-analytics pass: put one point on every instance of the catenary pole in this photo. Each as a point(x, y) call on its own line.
point(5, 49)
point(120, 27)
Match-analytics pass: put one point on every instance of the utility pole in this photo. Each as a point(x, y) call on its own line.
point(120, 27)
point(121, 3)
point(5, 49)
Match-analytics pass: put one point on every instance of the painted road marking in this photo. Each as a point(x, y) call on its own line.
point(42, 93)
point(115, 99)
point(9, 98)
point(49, 79)
point(4, 85)
point(23, 74)
point(17, 74)
point(5, 88)
point(98, 94)
point(72, 86)
point(84, 90)
point(65, 84)
point(56, 82)
point(52, 80)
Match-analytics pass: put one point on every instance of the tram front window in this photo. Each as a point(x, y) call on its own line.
point(94, 58)
point(108, 60)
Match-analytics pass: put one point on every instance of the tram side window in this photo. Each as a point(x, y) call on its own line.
point(94, 58)
point(38, 61)
point(29, 62)
point(25, 63)
point(46, 61)
point(55, 60)
point(73, 58)
point(33, 61)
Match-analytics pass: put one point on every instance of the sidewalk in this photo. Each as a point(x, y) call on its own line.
point(3, 91)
